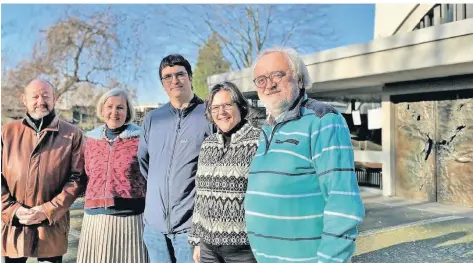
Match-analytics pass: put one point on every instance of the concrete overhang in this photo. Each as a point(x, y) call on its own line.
point(432, 52)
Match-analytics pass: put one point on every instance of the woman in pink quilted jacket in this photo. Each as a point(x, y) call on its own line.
point(112, 228)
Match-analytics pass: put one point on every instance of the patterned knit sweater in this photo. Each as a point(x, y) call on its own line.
point(221, 181)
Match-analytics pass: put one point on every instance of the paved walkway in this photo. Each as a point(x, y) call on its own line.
point(399, 230)
point(394, 230)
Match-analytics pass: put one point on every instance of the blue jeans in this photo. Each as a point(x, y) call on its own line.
point(167, 248)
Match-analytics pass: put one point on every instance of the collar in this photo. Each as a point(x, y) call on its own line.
point(234, 129)
point(53, 126)
point(273, 121)
point(131, 131)
point(236, 136)
point(192, 104)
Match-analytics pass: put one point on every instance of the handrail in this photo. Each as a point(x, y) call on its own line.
point(445, 13)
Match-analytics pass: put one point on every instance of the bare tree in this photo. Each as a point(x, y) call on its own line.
point(82, 51)
point(115, 83)
point(76, 49)
point(244, 30)
point(12, 108)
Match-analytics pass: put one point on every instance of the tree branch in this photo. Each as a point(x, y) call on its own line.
point(174, 23)
point(234, 51)
point(234, 56)
point(268, 22)
point(228, 24)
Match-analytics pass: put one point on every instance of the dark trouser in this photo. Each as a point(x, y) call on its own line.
point(23, 260)
point(225, 254)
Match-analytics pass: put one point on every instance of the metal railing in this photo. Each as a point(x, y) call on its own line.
point(445, 13)
point(369, 177)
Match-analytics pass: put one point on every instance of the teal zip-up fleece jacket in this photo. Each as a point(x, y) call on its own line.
point(303, 202)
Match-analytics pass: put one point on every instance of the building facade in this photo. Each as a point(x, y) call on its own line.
point(142, 109)
point(412, 90)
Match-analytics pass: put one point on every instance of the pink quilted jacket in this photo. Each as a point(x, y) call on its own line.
point(112, 171)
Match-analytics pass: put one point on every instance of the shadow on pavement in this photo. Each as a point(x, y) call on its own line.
point(428, 250)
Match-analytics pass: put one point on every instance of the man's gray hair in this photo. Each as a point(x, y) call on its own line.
point(296, 64)
point(130, 111)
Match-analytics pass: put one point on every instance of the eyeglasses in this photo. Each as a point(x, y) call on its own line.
point(226, 107)
point(181, 76)
point(274, 77)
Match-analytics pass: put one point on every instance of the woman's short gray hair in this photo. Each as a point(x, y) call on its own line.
point(296, 63)
point(237, 98)
point(130, 110)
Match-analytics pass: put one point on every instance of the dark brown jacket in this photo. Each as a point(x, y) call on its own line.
point(44, 169)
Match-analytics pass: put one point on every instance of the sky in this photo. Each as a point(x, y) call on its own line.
point(346, 24)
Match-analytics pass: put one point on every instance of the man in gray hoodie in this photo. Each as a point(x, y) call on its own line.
point(168, 151)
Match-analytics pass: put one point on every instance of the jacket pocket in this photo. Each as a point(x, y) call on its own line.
point(62, 225)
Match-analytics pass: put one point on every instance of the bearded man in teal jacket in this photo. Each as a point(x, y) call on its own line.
point(303, 202)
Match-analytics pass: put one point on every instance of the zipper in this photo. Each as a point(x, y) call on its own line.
point(38, 138)
point(272, 134)
point(168, 209)
point(106, 176)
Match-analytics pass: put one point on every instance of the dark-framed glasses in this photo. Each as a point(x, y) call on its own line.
point(181, 76)
point(274, 77)
point(225, 106)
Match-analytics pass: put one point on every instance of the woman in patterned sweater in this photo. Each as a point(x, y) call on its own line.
point(218, 226)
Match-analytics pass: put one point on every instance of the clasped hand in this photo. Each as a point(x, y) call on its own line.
point(31, 216)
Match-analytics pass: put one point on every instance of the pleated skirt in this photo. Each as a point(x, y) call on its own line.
point(107, 239)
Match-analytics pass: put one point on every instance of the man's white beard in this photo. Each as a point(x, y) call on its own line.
point(37, 116)
point(279, 107)
point(275, 109)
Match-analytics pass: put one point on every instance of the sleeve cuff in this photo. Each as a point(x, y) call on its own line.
point(15, 208)
point(48, 209)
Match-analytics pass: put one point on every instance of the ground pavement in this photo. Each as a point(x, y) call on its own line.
point(394, 230)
